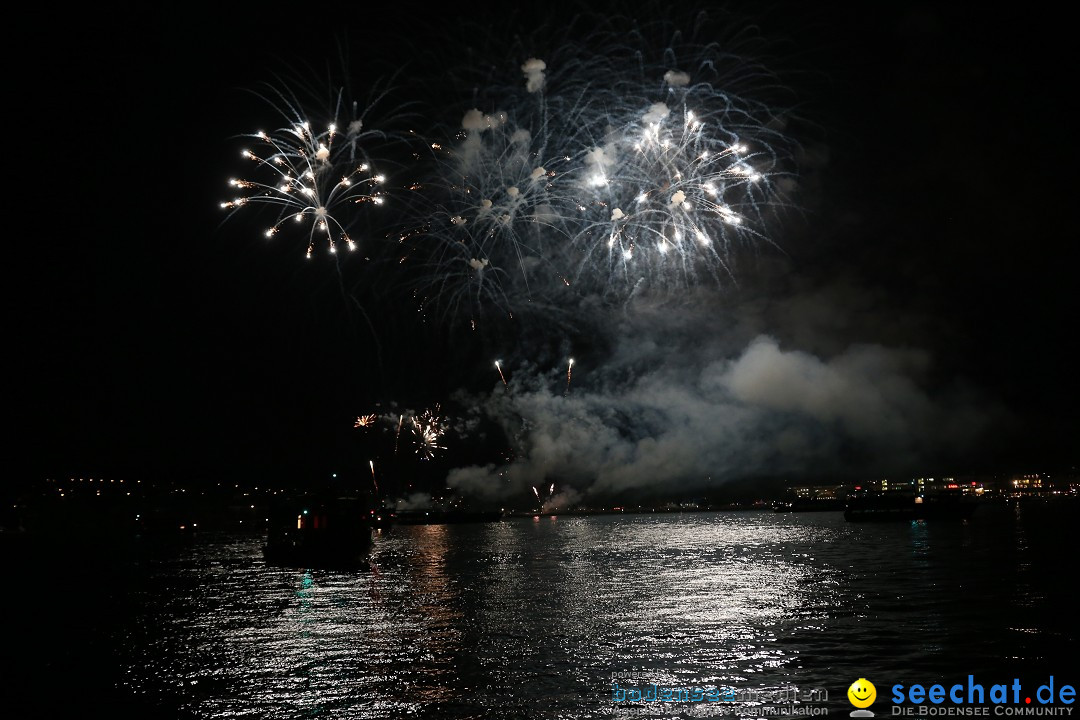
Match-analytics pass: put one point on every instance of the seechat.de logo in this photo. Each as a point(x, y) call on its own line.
point(862, 694)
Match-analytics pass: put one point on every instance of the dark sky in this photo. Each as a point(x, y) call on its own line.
point(152, 341)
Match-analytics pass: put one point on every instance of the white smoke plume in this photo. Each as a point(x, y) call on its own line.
point(533, 70)
point(662, 421)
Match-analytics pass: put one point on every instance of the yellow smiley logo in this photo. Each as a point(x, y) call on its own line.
point(862, 693)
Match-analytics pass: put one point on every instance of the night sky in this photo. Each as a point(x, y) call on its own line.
point(153, 341)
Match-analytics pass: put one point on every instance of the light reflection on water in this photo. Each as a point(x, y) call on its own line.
point(525, 618)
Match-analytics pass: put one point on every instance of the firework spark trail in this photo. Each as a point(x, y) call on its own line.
point(544, 500)
point(498, 367)
point(373, 480)
point(569, 370)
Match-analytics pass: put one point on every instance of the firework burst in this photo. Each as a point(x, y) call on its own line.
point(428, 429)
point(495, 228)
point(318, 174)
point(305, 178)
point(625, 158)
point(664, 198)
point(629, 159)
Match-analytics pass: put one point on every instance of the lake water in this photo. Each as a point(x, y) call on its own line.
point(543, 618)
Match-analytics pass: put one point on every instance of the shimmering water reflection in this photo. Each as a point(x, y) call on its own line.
point(530, 618)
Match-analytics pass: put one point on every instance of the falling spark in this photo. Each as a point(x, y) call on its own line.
point(569, 370)
point(499, 368)
point(373, 480)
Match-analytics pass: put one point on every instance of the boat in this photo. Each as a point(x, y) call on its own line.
point(314, 531)
point(865, 506)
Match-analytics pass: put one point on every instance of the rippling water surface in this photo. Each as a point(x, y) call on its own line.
point(531, 618)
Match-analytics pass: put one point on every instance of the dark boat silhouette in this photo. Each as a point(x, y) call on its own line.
point(311, 530)
point(865, 506)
